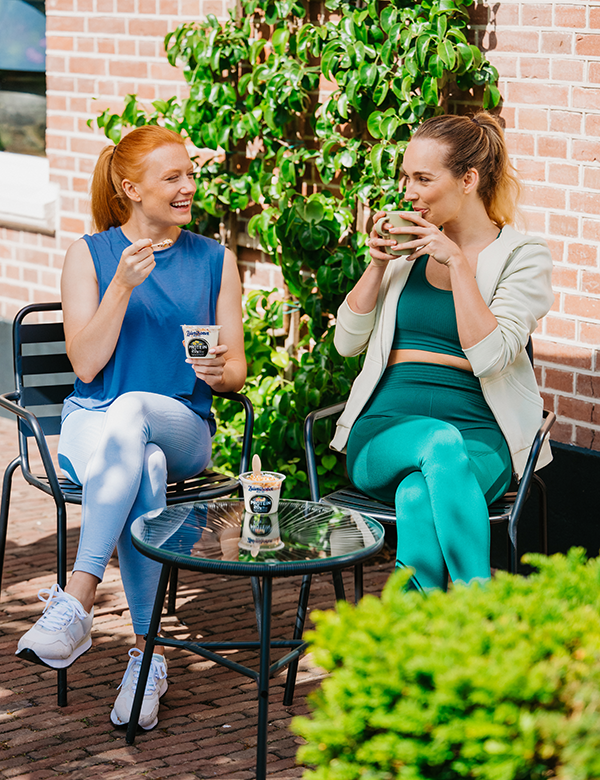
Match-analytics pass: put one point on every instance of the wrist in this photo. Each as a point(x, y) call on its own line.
point(379, 263)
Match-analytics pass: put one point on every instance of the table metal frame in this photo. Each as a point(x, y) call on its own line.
point(262, 595)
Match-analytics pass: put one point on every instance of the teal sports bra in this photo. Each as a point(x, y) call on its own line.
point(426, 318)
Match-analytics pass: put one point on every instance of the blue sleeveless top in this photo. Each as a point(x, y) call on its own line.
point(149, 356)
point(426, 318)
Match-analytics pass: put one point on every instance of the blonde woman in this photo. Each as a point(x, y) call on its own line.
point(447, 404)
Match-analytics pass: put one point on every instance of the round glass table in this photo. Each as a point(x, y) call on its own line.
point(301, 538)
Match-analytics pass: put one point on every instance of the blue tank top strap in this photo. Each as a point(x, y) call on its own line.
point(182, 289)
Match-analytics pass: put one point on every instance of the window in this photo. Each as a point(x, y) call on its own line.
point(22, 76)
point(27, 197)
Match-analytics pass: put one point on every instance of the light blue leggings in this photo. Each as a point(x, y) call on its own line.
point(124, 457)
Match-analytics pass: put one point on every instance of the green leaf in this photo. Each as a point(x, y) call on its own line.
point(314, 211)
point(491, 96)
point(368, 74)
point(374, 124)
point(429, 91)
point(446, 53)
point(280, 39)
point(376, 155)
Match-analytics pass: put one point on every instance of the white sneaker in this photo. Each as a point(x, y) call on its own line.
point(156, 685)
point(61, 635)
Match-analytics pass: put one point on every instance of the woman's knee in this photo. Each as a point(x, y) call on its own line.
point(444, 444)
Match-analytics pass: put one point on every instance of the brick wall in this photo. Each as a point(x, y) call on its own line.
point(548, 56)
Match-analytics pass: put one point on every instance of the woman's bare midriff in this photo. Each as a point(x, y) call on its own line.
point(421, 356)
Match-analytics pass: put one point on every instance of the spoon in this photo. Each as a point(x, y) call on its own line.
point(256, 465)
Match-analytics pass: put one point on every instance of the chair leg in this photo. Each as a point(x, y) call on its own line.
point(61, 545)
point(358, 583)
point(171, 601)
point(542, 512)
point(290, 682)
point(4, 505)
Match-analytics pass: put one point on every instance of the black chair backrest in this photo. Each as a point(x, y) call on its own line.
point(43, 373)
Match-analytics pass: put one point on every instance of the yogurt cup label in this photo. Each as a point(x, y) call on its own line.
point(199, 339)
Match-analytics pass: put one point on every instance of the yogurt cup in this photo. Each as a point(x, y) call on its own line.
point(261, 491)
point(198, 339)
point(260, 533)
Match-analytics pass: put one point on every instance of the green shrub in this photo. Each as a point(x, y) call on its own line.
point(495, 682)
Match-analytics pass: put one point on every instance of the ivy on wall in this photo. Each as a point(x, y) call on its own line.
point(304, 169)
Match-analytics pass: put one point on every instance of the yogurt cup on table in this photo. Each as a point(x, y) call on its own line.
point(261, 491)
point(199, 339)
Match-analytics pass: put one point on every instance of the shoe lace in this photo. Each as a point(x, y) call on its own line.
point(59, 610)
point(158, 671)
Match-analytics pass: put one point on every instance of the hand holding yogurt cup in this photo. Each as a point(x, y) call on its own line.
point(204, 353)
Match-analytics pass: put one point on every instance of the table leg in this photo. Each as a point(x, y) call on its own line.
point(147, 659)
point(338, 585)
point(358, 583)
point(264, 680)
point(256, 597)
point(290, 683)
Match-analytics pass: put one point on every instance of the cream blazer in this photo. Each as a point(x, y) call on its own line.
point(514, 278)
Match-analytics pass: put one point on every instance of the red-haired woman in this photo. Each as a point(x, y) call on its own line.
point(140, 414)
point(447, 405)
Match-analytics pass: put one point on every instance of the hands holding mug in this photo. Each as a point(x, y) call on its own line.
point(407, 233)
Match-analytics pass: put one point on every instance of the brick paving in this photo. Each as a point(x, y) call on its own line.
point(207, 726)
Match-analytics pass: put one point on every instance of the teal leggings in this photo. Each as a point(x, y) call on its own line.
point(428, 443)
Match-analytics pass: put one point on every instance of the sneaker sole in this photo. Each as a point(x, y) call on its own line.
point(27, 654)
point(118, 722)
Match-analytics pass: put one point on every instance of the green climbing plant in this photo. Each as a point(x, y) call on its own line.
point(303, 169)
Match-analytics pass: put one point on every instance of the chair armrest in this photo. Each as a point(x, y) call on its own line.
point(248, 426)
point(524, 484)
point(309, 445)
point(7, 402)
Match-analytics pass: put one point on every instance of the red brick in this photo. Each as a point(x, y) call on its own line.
point(87, 65)
point(162, 71)
point(594, 18)
point(538, 94)
point(59, 43)
point(567, 70)
point(569, 16)
point(563, 354)
point(557, 43)
point(560, 328)
point(587, 437)
point(532, 118)
point(558, 380)
point(531, 170)
point(564, 277)
point(594, 73)
point(86, 45)
point(106, 46)
point(127, 48)
point(520, 41)
point(552, 147)
point(536, 14)
point(591, 229)
point(591, 178)
point(587, 45)
point(520, 143)
point(535, 220)
point(566, 174)
point(149, 48)
point(586, 151)
point(582, 254)
point(65, 23)
point(130, 68)
point(582, 306)
point(562, 431)
point(589, 333)
point(168, 8)
point(588, 384)
point(586, 97)
point(107, 25)
point(70, 225)
point(566, 121)
point(575, 409)
point(506, 64)
point(152, 27)
point(147, 7)
point(585, 202)
point(548, 197)
point(590, 282)
point(535, 67)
